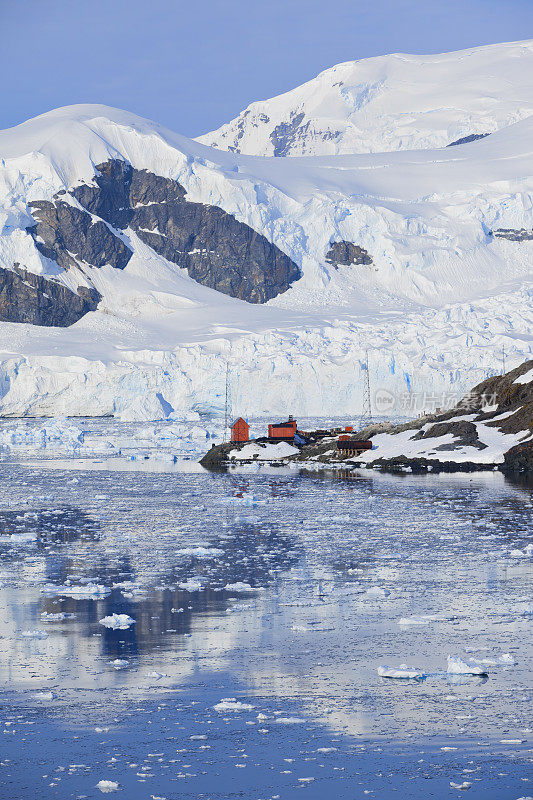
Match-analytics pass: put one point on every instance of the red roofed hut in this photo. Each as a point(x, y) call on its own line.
point(240, 431)
point(283, 431)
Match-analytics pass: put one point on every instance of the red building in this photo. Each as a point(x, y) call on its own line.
point(283, 430)
point(240, 431)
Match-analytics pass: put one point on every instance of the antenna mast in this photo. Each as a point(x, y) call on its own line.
point(227, 404)
point(366, 414)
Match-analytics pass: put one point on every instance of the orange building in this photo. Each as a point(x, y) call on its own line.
point(283, 430)
point(240, 431)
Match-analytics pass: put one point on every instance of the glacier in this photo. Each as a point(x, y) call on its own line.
point(443, 304)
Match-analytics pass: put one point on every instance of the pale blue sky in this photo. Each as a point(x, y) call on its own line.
point(194, 65)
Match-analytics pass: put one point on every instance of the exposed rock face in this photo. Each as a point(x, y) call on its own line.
point(347, 253)
point(282, 136)
point(513, 235)
point(62, 229)
point(464, 433)
point(519, 458)
point(216, 249)
point(466, 139)
point(26, 297)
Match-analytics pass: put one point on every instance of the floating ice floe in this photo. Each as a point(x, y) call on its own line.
point(456, 666)
point(232, 704)
point(289, 720)
point(120, 663)
point(20, 538)
point(90, 591)
point(59, 617)
point(527, 552)
point(191, 586)
point(199, 551)
point(401, 672)
point(239, 586)
point(461, 786)
point(43, 696)
point(377, 591)
point(506, 660)
point(35, 634)
point(117, 622)
point(107, 786)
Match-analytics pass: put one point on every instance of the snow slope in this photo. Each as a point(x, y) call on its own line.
point(392, 102)
point(440, 300)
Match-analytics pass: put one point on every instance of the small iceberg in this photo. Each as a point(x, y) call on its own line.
point(43, 696)
point(456, 666)
point(119, 663)
point(232, 704)
point(403, 672)
point(117, 622)
point(107, 786)
point(35, 634)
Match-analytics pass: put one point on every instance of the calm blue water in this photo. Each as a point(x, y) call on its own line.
point(281, 591)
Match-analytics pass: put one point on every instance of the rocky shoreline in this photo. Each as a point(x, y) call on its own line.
point(490, 429)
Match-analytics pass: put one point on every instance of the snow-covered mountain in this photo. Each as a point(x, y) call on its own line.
point(393, 102)
point(135, 263)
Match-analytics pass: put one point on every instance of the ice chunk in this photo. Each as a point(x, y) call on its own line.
point(117, 622)
point(59, 617)
point(457, 666)
point(191, 586)
point(43, 696)
point(231, 704)
point(402, 672)
point(107, 786)
point(200, 552)
point(35, 634)
point(119, 663)
point(377, 591)
point(21, 538)
point(527, 552)
point(90, 591)
point(239, 587)
point(461, 786)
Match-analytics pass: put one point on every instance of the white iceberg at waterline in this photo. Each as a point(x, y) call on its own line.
point(402, 672)
point(456, 666)
point(117, 622)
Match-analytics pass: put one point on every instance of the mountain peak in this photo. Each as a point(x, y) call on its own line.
point(386, 103)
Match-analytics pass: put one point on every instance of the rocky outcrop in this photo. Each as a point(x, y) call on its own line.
point(64, 233)
point(26, 297)
point(519, 458)
point(215, 248)
point(513, 234)
point(466, 139)
point(347, 253)
point(502, 402)
point(465, 435)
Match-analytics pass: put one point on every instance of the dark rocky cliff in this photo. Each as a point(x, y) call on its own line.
point(83, 228)
point(347, 253)
point(26, 297)
point(215, 248)
point(63, 232)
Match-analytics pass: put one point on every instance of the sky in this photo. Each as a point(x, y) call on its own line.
point(193, 65)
